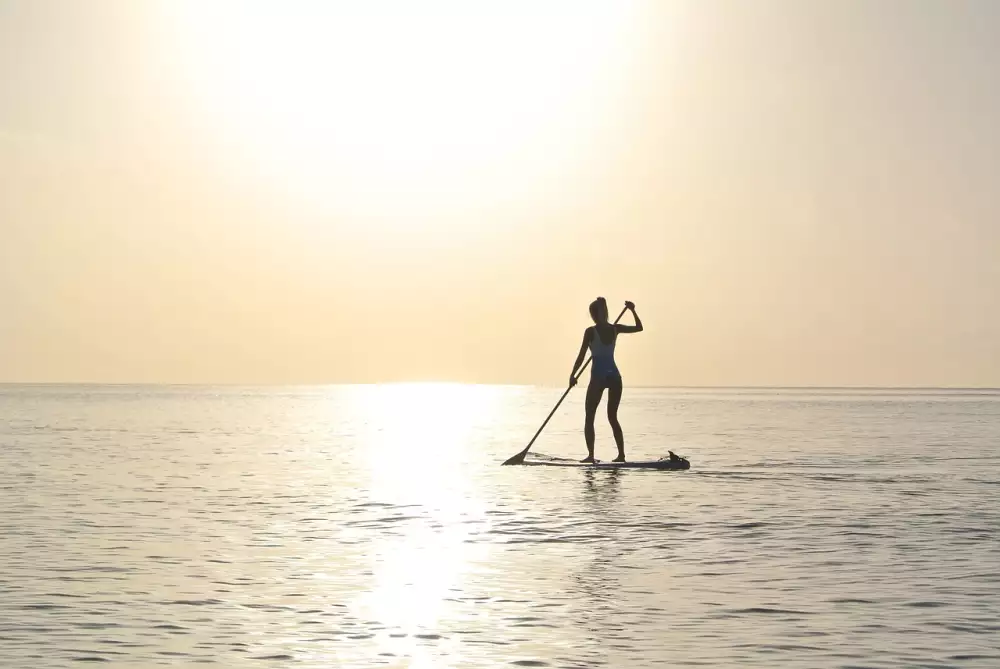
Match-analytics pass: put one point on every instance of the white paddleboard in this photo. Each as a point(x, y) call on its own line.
point(665, 463)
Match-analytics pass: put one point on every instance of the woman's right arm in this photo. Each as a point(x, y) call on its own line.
point(579, 357)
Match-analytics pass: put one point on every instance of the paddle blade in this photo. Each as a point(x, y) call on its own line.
point(516, 459)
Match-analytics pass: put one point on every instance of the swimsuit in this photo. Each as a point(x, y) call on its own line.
point(603, 357)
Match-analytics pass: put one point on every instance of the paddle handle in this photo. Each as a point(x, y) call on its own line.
point(551, 413)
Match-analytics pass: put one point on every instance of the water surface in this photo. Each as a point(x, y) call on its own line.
point(372, 526)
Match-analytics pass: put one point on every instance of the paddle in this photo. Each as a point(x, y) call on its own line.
point(519, 458)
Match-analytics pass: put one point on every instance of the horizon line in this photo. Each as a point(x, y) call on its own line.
point(515, 385)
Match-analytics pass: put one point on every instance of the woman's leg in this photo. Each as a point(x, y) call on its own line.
point(614, 398)
point(594, 392)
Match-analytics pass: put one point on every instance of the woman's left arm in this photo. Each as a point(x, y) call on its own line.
point(630, 328)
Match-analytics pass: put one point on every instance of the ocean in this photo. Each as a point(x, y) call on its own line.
point(373, 526)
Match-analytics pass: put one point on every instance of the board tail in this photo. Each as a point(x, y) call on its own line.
point(678, 461)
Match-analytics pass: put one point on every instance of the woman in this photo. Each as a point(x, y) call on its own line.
point(600, 338)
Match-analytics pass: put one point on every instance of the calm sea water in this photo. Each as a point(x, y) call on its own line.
point(374, 526)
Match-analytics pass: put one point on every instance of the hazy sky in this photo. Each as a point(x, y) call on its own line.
point(793, 193)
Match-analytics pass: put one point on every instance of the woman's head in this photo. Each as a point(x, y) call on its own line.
point(599, 310)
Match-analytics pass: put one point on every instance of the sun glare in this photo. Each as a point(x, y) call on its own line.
point(420, 433)
point(380, 106)
point(418, 442)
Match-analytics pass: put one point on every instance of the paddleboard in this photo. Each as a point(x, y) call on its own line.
point(665, 463)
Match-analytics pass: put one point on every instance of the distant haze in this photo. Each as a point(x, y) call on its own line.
point(793, 193)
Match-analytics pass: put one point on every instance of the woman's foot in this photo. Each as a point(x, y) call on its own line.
point(620, 458)
point(589, 458)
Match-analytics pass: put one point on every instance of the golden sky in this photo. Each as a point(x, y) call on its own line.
point(793, 193)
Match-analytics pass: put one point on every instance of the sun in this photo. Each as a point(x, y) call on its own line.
point(377, 106)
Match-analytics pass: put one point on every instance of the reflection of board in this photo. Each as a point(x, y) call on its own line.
point(666, 463)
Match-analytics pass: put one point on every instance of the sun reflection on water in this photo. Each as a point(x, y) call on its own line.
point(419, 475)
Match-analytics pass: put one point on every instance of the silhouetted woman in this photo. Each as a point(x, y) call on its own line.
point(601, 338)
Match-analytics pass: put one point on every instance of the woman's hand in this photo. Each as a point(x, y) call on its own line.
point(630, 305)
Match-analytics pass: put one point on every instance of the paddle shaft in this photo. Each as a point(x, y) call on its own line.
point(520, 456)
